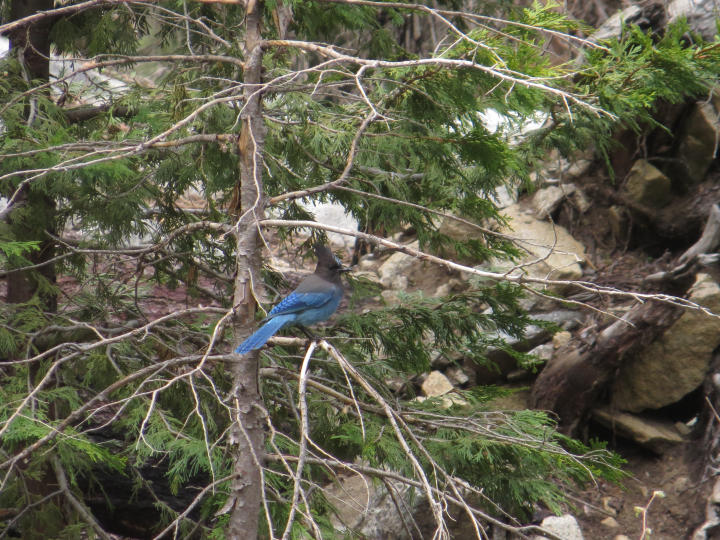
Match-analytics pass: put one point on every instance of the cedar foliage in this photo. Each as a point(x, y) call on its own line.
point(128, 402)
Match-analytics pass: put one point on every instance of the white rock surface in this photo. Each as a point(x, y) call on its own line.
point(335, 215)
point(565, 526)
point(700, 14)
point(546, 200)
point(552, 252)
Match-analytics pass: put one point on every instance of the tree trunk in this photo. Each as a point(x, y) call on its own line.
point(34, 213)
point(248, 432)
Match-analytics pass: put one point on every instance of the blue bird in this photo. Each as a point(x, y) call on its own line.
point(314, 300)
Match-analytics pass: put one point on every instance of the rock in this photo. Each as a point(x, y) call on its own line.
point(708, 530)
point(566, 527)
point(612, 27)
point(553, 252)
point(700, 14)
point(560, 339)
point(546, 200)
point(654, 435)
point(610, 523)
point(696, 150)
point(439, 360)
point(647, 185)
point(457, 376)
point(334, 214)
point(436, 384)
point(611, 505)
point(367, 275)
point(534, 336)
point(394, 271)
point(543, 352)
point(391, 298)
point(504, 196)
point(367, 509)
point(676, 363)
point(459, 231)
point(517, 401)
point(443, 290)
point(577, 169)
point(368, 263)
point(581, 201)
point(617, 218)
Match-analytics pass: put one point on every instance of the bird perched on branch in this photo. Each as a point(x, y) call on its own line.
point(315, 300)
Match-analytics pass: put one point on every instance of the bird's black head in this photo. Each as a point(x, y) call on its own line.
point(327, 262)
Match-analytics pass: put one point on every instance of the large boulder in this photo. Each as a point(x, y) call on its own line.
point(647, 185)
point(701, 15)
point(612, 27)
point(363, 508)
point(675, 364)
point(696, 150)
point(552, 252)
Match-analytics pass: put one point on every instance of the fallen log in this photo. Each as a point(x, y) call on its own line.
point(574, 380)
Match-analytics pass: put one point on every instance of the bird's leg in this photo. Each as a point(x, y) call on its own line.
point(308, 333)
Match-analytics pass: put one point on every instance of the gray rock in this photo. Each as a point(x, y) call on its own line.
point(612, 27)
point(700, 14)
point(647, 185)
point(697, 145)
point(393, 272)
point(457, 375)
point(367, 509)
point(534, 335)
point(676, 363)
point(546, 200)
point(565, 526)
point(577, 169)
point(543, 352)
point(504, 196)
point(654, 435)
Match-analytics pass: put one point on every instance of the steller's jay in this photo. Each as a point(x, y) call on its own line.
point(314, 300)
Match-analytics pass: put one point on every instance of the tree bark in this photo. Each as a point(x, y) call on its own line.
point(33, 213)
point(248, 431)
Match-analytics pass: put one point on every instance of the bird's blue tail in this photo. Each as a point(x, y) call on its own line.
point(265, 332)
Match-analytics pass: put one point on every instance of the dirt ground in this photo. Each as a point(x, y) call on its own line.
point(612, 510)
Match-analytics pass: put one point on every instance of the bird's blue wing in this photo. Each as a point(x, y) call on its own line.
point(297, 302)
